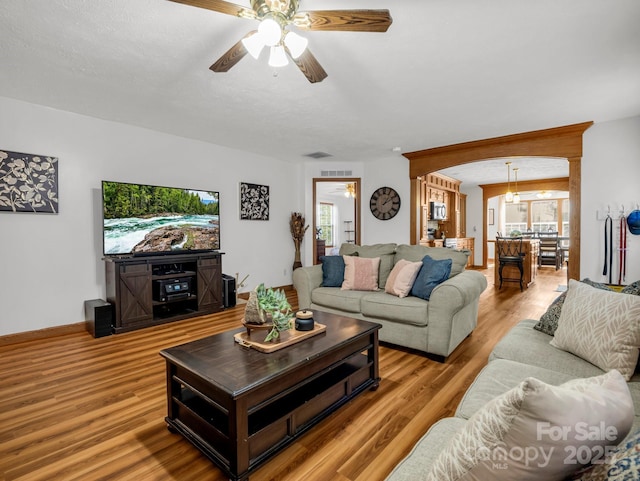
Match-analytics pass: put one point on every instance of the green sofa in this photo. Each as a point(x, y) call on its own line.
point(436, 326)
point(558, 400)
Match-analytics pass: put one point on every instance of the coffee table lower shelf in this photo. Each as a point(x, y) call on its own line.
point(240, 431)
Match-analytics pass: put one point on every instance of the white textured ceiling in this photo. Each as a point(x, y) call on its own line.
point(495, 170)
point(447, 71)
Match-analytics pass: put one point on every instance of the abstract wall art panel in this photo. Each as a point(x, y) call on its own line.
point(254, 201)
point(28, 183)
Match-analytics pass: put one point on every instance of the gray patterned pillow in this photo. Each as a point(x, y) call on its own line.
point(548, 322)
point(490, 446)
point(600, 327)
point(633, 288)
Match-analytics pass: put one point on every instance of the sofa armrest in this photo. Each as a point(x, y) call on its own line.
point(305, 280)
point(453, 295)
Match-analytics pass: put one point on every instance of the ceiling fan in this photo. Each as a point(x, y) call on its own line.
point(275, 17)
point(347, 189)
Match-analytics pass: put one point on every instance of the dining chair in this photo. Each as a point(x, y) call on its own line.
point(550, 250)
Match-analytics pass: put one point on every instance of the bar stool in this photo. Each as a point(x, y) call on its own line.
point(510, 253)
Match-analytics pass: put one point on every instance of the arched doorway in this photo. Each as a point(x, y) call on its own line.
point(564, 142)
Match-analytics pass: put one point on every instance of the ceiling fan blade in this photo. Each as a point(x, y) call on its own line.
point(345, 20)
point(231, 56)
point(310, 67)
point(220, 6)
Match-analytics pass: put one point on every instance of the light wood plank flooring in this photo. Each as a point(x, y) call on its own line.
point(78, 408)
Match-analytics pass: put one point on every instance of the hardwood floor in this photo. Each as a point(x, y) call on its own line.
point(78, 408)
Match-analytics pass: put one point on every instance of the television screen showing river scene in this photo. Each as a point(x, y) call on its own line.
point(145, 219)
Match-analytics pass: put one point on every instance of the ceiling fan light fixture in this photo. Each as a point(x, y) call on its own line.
point(270, 31)
point(254, 44)
point(278, 57)
point(296, 44)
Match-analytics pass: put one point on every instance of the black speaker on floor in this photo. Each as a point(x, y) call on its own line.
point(228, 291)
point(98, 315)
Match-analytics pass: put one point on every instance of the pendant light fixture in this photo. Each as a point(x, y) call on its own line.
point(516, 195)
point(508, 196)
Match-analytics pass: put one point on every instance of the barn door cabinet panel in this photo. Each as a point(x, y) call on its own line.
point(209, 283)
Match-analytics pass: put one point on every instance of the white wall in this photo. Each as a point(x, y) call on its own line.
point(391, 171)
point(51, 263)
point(610, 177)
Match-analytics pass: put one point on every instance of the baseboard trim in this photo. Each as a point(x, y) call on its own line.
point(286, 288)
point(20, 337)
point(45, 333)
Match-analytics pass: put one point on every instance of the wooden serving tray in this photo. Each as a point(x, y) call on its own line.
point(287, 338)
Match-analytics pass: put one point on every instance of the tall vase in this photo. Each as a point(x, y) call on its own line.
point(296, 262)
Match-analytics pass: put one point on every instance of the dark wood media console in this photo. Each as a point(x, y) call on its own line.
point(146, 291)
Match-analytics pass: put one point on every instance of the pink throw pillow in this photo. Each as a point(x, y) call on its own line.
point(402, 277)
point(360, 273)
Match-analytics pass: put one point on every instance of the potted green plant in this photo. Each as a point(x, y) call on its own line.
point(272, 308)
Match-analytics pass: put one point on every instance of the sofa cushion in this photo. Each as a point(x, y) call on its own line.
point(417, 463)
point(623, 465)
point(402, 277)
point(601, 327)
point(432, 273)
point(416, 253)
point(384, 251)
point(497, 377)
point(515, 436)
point(548, 322)
point(332, 271)
point(335, 298)
point(500, 375)
point(360, 274)
point(529, 346)
point(408, 310)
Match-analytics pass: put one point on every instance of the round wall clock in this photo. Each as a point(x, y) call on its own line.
point(385, 203)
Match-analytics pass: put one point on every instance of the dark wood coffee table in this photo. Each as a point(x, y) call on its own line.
point(240, 406)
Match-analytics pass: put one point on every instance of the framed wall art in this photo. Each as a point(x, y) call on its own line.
point(254, 201)
point(491, 220)
point(28, 183)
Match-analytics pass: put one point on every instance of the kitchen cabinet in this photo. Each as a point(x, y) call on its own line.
point(440, 188)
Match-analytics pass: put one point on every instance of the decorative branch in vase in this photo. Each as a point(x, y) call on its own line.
point(298, 229)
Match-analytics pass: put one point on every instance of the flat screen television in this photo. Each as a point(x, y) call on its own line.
point(146, 219)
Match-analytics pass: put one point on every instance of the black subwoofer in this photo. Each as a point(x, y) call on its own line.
point(98, 315)
point(228, 291)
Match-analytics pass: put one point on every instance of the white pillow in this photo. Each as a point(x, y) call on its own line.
point(537, 431)
point(401, 278)
point(601, 327)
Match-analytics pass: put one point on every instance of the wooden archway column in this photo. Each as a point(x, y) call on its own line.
point(562, 142)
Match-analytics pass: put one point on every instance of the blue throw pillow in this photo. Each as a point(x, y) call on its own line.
point(332, 271)
point(432, 273)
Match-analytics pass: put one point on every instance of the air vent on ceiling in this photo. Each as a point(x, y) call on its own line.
point(336, 173)
point(318, 155)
